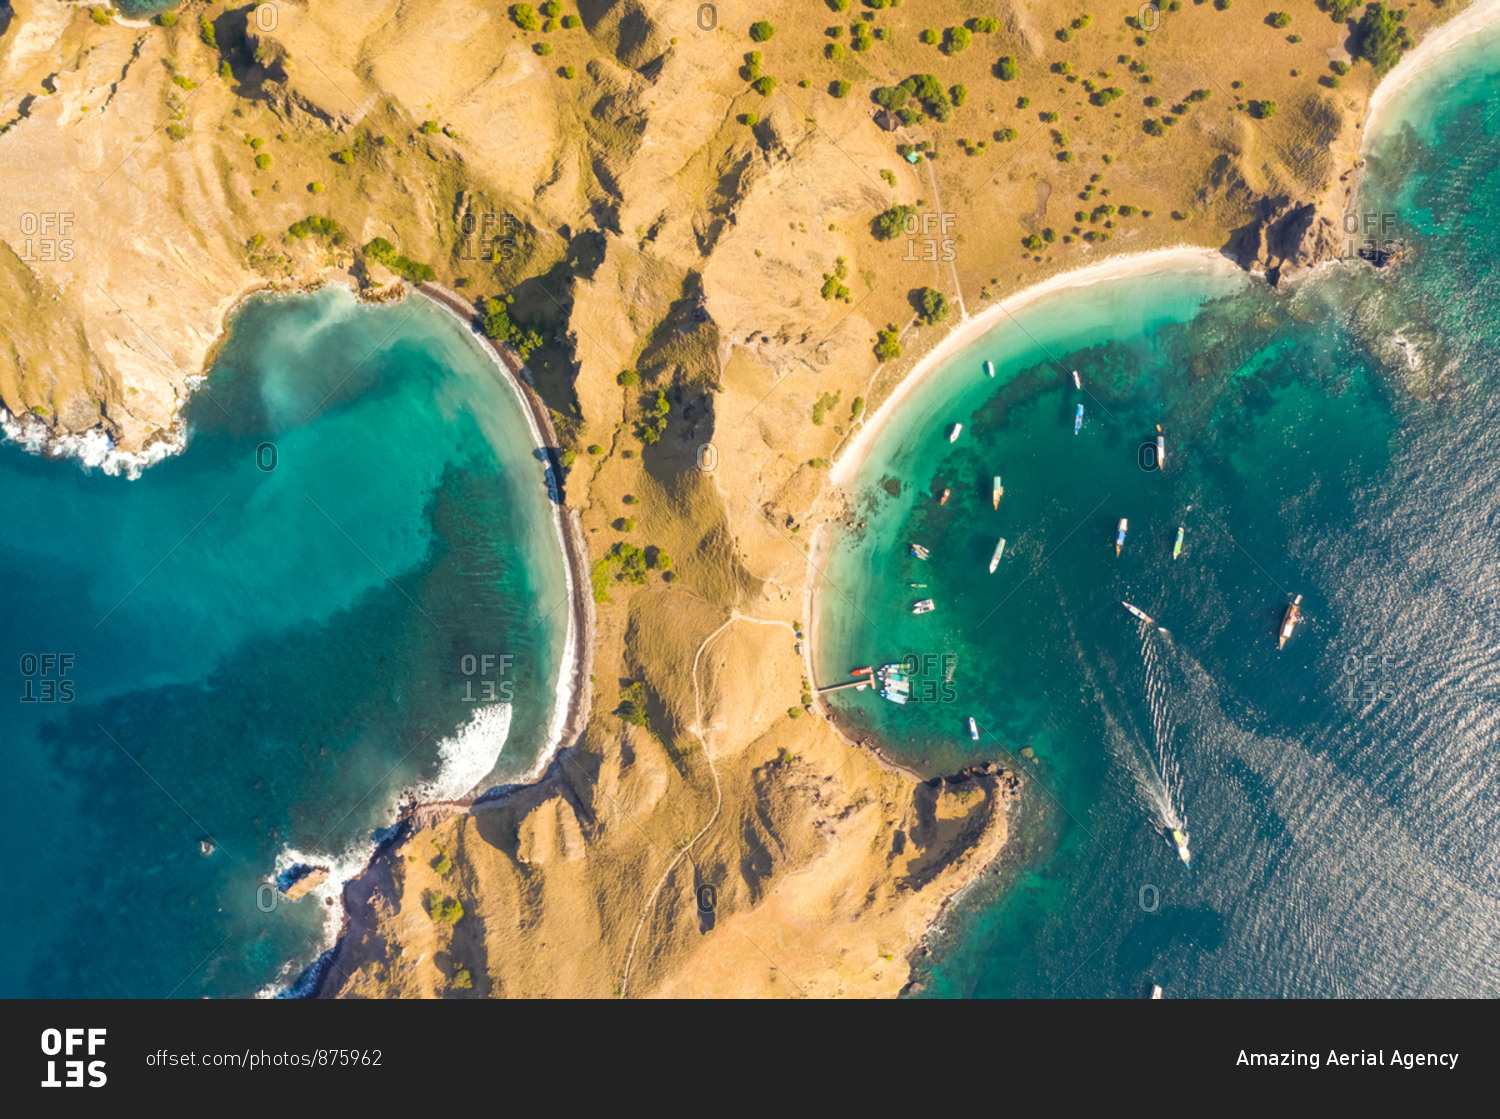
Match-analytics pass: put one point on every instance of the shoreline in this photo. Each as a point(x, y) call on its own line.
point(968, 330)
point(1472, 20)
point(574, 686)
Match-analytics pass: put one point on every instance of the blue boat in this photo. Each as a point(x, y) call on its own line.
point(1078, 420)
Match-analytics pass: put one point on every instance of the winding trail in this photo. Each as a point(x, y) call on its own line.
point(734, 616)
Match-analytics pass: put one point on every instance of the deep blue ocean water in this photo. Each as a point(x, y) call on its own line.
point(1338, 441)
point(265, 658)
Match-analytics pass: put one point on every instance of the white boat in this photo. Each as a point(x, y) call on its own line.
point(1290, 620)
point(1139, 613)
point(1161, 453)
point(1120, 535)
point(922, 606)
point(955, 433)
point(1180, 841)
point(1077, 384)
point(989, 367)
point(997, 491)
point(973, 729)
point(995, 559)
point(1155, 991)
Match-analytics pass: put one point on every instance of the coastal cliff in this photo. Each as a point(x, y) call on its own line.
point(682, 228)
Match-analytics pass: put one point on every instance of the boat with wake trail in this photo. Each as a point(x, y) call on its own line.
point(922, 606)
point(1139, 613)
point(1290, 620)
point(997, 491)
point(1180, 841)
point(1177, 547)
point(1078, 421)
point(995, 559)
point(1120, 535)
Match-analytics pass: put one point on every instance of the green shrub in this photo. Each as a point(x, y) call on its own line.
point(183, 82)
point(857, 409)
point(166, 19)
point(761, 30)
point(1340, 67)
point(822, 405)
point(888, 344)
point(764, 85)
point(1379, 37)
point(345, 157)
point(383, 251)
point(1280, 19)
point(1103, 97)
point(1006, 135)
point(429, 127)
point(1032, 243)
point(749, 119)
point(629, 377)
point(263, 160)
point(525, 17)
point(1007, 70)
point(1340, 10)
point(1262, 110)
point(959, 94)
point(931, 304)
point(101, 16)
point(569, 72)
point(442, 864)
point(984, 24)
point(571, 22)
point(224, 71)
point(834, 52)
point(499, 325)
point(893, 221)
point(551, 9)
point(314, 225)
point(446, 909)
point(543, 49)
point(956, 39)
point(839, 89)
point(177, 132)
point(462, 979)
point(207, 34)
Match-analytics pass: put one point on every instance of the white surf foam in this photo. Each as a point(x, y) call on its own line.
point(93, 449)
point(468, 756)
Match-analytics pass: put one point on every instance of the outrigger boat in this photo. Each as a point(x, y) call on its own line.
point(955, 433)
point(1077, 384)
point(946, 494)
point(1290, 620)
point(995, 559)
point(1078, 421)
point(1177, 547)
point(1120, 535)
point(919, 551)
point(973, 729)
point(989, 367)
point(895, 685)
point(922, 606)
point(1139, 613)
point(997, 491)
point(1180, 841)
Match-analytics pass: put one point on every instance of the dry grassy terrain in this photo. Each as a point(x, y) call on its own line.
point(681, 225)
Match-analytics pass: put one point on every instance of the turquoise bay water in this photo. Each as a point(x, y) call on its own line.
point(266, 657)
point(1338, 442)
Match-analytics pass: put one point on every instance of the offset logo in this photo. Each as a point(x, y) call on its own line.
point(67, 1043)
